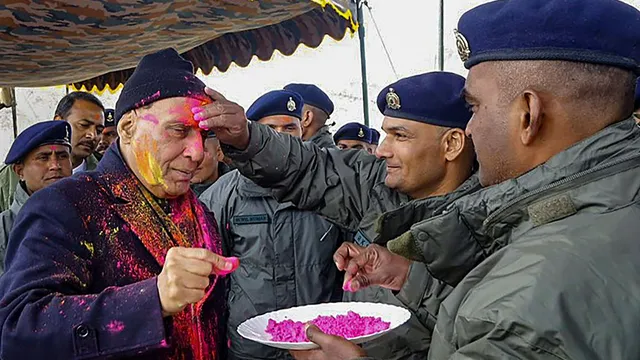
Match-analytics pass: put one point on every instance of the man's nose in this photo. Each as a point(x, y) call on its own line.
point(195, 147)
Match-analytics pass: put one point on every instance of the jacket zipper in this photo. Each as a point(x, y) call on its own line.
point(569, 179)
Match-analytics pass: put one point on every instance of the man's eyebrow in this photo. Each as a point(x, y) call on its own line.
point(467, 95)
point(395, 128)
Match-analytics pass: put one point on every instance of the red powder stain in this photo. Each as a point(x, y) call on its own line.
point(115, 326)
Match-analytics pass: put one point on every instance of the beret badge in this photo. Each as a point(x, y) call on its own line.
point(393, 100)
point(361, 133)
point(463, 46)
point(291, 105)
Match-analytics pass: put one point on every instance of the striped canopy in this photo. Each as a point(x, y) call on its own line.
point(97, 43)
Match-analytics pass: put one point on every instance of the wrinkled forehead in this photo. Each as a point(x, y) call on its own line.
point(171, 109)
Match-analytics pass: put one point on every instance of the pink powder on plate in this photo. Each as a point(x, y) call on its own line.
point(348, 326)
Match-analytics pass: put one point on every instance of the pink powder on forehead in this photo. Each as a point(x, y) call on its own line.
point(148, 99)
point(347, 326)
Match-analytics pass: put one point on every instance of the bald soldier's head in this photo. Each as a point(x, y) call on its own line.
point(525, 112)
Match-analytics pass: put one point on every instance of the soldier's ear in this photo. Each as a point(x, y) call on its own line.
point(18, 168)
point(454, 141)
point(127, 127)
point(307, 119)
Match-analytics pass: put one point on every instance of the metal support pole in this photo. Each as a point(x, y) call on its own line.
point(363, 61)
point(441, 37)
point(14, 113)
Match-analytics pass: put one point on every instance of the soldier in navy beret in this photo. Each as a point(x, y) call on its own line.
point(40, 156)
point(318, 107)
point(353, 136)
point(109, 134)
point(250, 219)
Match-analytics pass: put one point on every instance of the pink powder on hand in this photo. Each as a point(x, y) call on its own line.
point(348, 326)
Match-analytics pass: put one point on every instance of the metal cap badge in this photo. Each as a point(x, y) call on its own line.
point(361, 133)
point(110, 116)
point(463, 46)
point(291, 105)
point(393, 100)
point(67, 135)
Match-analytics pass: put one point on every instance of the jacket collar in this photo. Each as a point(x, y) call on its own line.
point(247, 188)
point(323, 138)
point(19, 198)
point(471, 228)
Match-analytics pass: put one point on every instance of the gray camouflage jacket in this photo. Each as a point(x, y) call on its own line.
point(545, 266)
point(347, 188)
point(7, 218)
point(286, 257)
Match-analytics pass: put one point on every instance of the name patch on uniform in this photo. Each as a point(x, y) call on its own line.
point(251, 219)
point(361, 239)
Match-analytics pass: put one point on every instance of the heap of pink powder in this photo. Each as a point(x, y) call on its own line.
point(348, 326)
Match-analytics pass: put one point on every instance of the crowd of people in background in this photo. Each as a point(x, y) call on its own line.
point(498, 209)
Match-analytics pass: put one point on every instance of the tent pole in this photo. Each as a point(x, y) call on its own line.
point(441, 37)
point(14, 113)
point(363, 61)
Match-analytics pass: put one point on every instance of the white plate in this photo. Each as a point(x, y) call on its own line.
point(254, 328)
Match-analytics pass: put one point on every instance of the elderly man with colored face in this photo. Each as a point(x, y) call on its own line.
point(40, 156)
point(131, 271)
point(544, 259)
point(317, 109)
point(108, 135)
point(286, 254)
point(353, 136)
point(85, 113)
point(425, 156)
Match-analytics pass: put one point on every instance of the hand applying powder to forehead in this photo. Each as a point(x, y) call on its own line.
point(225, 118)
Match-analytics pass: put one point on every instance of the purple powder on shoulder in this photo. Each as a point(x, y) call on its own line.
point(348, 326)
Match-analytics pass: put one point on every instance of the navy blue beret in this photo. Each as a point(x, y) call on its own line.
point(313, 95)
point(434, 98)
point(637, 102)
point(592, 31)
point(353, 131)
point(158, 76)
point(109, 117)
point(42, 133)
point(375, 137)
point(276, 102)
